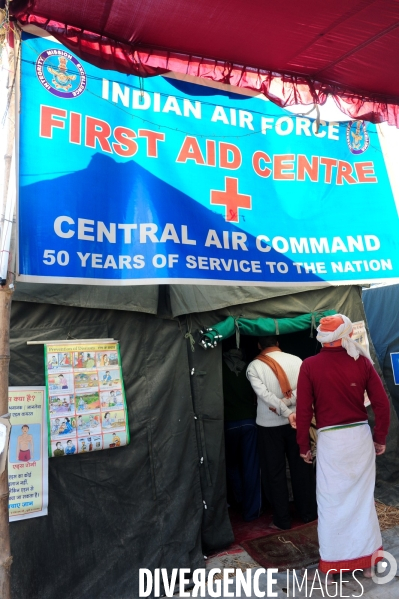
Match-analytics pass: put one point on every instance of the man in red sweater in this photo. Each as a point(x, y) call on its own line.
point(332, 385)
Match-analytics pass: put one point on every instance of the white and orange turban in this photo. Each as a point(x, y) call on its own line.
point(339, 327)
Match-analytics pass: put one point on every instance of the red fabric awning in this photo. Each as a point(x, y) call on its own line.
point(294, 52)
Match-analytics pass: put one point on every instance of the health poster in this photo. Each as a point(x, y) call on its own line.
point(85, 398)
point(27, 456)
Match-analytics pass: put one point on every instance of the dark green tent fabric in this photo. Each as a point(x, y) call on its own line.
point(161, 501)
point(189, 299)
point(181, 299)
point(137, 298)
point(260, 326)
point(114, 511)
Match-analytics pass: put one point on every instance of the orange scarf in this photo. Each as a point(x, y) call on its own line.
point(277, 369)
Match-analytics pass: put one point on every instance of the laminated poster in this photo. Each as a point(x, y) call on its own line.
point(86, 404)
point(27, 457)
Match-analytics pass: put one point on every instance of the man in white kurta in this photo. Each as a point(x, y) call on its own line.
point(277, 439)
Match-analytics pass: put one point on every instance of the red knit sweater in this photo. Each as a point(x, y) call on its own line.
point(334, 384)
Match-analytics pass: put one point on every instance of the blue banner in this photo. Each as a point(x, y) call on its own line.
point(129, 181)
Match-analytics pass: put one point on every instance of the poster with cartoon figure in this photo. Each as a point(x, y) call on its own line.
point(115, 439)
point(61, 405)
point(85, 398)
point(59, 361)
point(61, 382)
point(27, 457)
point(111, 399)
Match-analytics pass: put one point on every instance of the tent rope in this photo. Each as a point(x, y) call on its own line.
point(276, 325)
point(188, 335)
point(312, 324)
point(317, 118)
point(191, 339)
point(238, 334)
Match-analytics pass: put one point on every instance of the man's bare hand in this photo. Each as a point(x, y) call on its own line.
point(379, 449)
point(273, 410)
point(307, 457)
point(292, 419)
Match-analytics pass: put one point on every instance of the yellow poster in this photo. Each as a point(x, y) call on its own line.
point(86, 398)
point(27, 456)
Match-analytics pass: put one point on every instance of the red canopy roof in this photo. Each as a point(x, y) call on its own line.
point(348, 48)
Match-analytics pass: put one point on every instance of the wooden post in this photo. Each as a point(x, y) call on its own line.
point(6, 292)
point(5, 552)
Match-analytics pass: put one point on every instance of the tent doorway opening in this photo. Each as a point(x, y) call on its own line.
point(253, 520)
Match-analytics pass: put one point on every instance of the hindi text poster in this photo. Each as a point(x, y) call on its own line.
point(27, 458)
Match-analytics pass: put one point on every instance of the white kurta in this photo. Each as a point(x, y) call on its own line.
point(348, 528)
point(268, 391)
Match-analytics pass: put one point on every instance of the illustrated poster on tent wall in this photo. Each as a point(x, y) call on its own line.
point(125, 182)
point(27, 454)
point(86, 401)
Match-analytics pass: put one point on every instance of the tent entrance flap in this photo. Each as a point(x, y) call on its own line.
point(260, 326)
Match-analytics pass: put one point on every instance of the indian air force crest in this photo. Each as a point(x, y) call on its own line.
point(61, 73)
point(357, 137)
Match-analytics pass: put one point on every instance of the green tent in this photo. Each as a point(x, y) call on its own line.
point(170, 480)
point(260, 326)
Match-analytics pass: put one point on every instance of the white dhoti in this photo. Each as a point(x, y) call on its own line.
point(348, 528)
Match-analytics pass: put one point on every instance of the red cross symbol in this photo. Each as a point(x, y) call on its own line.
point(231, 199)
